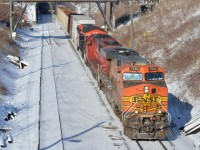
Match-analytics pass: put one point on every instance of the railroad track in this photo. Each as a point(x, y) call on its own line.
point(139, 145)
point(163, 146)
point(158, 145)
point(50, 39)
point(47, 40)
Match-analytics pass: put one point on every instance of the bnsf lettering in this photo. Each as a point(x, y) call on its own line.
point(145, 100)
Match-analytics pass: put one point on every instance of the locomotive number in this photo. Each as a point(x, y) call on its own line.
point(145, 99)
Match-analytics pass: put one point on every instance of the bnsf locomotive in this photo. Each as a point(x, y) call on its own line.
point(134, 87)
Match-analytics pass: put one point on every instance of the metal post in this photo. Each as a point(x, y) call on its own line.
point(89, 9)
point(111, 13)
point(20, 18)
point(111, 10)
point(21, 12)
point(11, 17)
point(105, 24)
point(104, 16)
point(131, 41)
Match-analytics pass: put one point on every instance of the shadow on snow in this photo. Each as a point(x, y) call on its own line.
point(23, 33)
point(70, 139)
point(180, 112)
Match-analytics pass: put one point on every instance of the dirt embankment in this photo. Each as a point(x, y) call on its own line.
point(169, 37)
point(7, 45)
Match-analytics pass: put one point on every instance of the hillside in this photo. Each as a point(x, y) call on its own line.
point(169, 37)
point(7, 46)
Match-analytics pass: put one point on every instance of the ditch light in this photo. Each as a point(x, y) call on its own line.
point(146, 89)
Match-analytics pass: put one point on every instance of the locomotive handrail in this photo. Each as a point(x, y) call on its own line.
point(169, 116)
point(99, 69)
point(126, 111)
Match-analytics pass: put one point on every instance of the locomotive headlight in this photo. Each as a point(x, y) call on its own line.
point(146, 89)
point(136, 111)
point(159, 111)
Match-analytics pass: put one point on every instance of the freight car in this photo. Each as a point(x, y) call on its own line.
point(134, 87)
point(64, 14)
point(70, 20)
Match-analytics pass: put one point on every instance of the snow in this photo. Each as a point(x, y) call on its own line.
point(31, 12)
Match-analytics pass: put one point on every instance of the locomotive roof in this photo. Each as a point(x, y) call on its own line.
point(102, 36)
point(105, 39)
point(123, 54)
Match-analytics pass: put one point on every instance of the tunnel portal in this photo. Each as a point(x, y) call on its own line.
point(43, 8)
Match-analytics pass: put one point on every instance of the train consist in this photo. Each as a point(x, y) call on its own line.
point(134, 87)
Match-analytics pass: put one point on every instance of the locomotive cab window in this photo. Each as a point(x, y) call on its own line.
point(132, 76)
point(152, 76)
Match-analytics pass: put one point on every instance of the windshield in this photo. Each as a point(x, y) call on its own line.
point(132, 76)
point(154, 76)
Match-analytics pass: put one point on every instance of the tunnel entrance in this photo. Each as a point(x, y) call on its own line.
point(43, 8)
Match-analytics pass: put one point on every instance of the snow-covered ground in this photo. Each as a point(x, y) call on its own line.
point(23, 95)
point(74, 114)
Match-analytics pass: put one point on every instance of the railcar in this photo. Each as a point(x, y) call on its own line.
point(92, 53)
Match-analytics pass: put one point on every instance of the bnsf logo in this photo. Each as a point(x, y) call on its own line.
point(145, 99)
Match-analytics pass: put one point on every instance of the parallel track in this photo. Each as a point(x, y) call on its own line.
point(55, 88)
point(49, 41)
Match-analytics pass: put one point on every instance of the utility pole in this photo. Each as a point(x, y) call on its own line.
point(131, 41)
